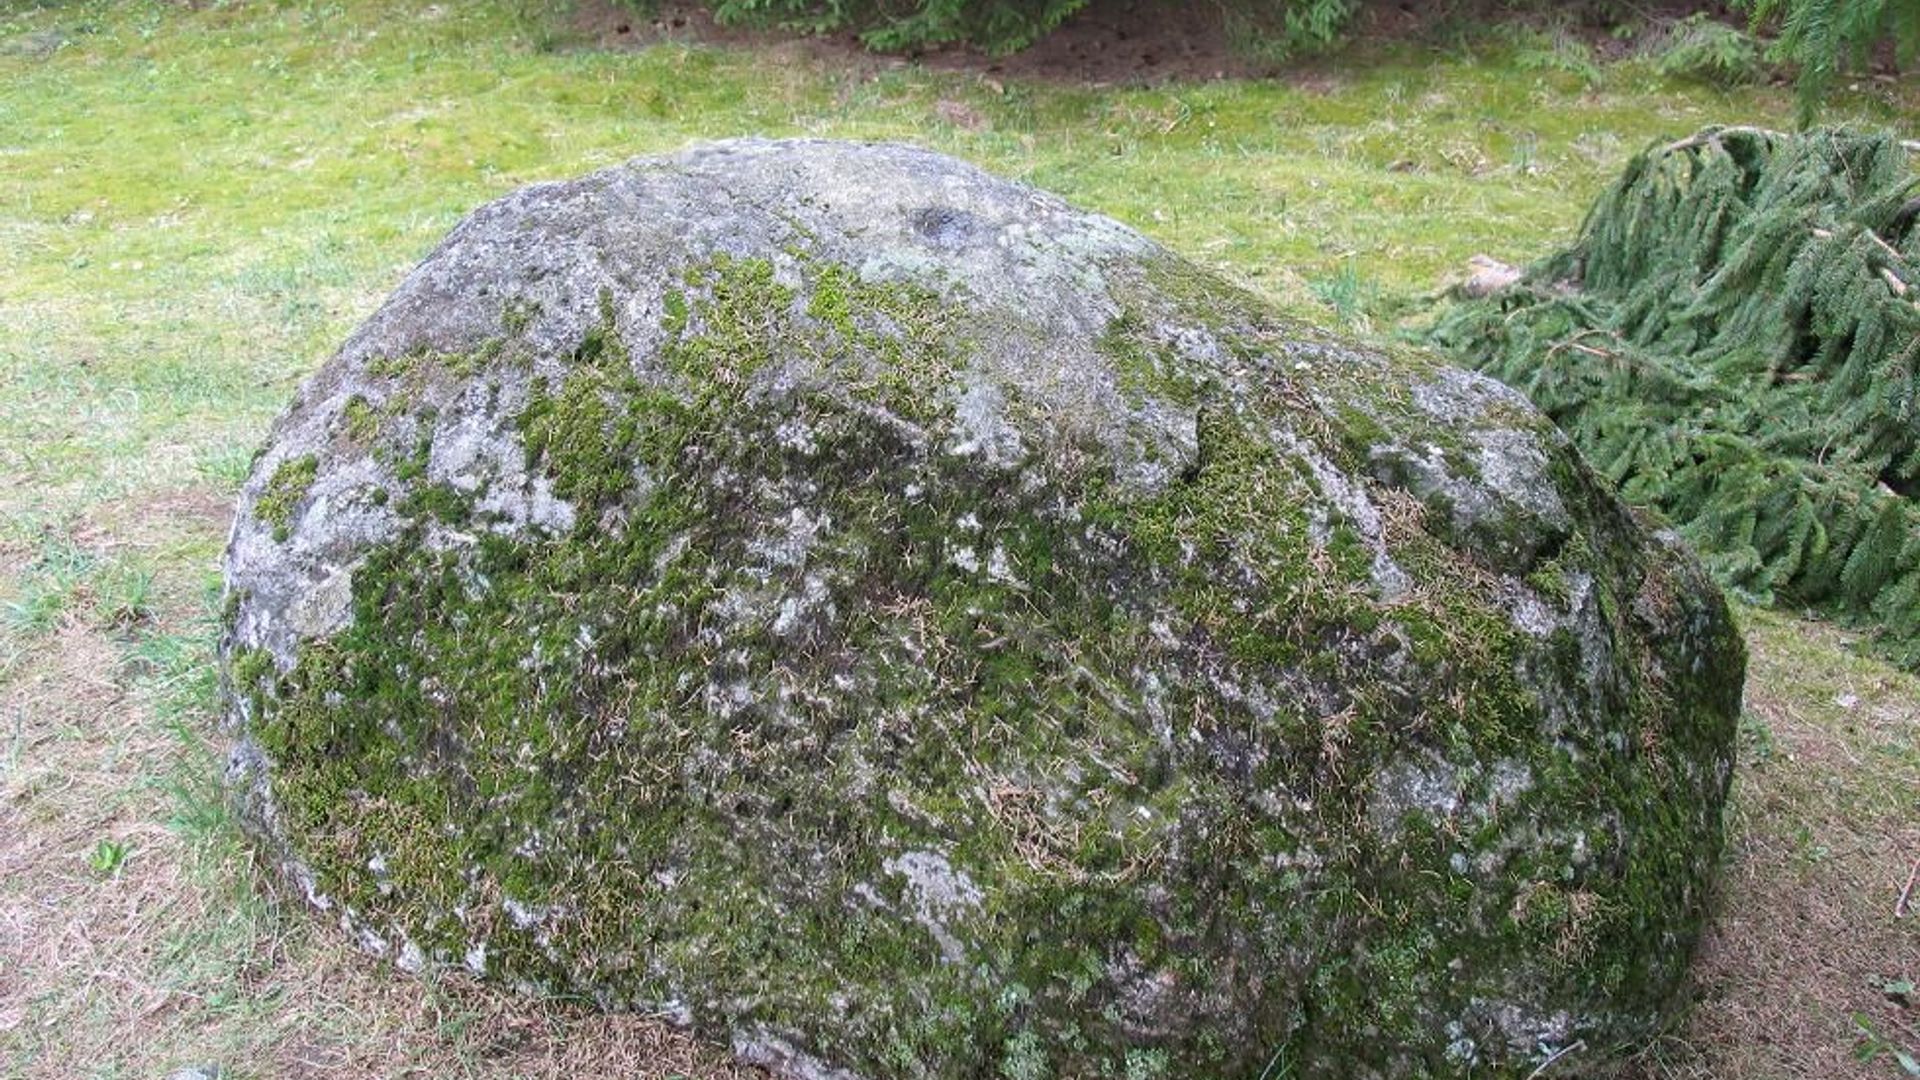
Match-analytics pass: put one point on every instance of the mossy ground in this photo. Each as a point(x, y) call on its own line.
point(199, 203)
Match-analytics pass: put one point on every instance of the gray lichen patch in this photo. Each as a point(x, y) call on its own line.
point(937, 894)
point(901, 626)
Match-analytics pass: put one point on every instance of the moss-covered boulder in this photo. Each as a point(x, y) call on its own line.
point(879, 616)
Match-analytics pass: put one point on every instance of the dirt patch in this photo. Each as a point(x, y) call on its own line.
point(343, 1016)
point(1118, 42)
point(1801, 968)
point(1115, 42)
point(86, 868)
point(163, 519)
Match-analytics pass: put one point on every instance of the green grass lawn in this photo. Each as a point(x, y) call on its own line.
point(198, 202)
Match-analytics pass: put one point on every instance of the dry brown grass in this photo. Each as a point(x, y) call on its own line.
point(1824, 830)
point(178, 956)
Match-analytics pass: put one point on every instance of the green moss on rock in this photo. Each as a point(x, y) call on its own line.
point(926, 691)
point(285, 489)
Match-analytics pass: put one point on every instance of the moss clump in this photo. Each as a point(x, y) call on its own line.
point(248, 667)
point(1147, 369)
point(359, 419)
point(440, 502)
point(910, 339)
point(285, 489)
point(517, 315)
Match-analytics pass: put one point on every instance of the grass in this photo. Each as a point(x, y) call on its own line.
point(197, 203)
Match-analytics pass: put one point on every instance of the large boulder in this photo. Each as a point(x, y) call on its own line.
point(884, 618)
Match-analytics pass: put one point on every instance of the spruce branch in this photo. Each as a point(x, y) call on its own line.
point(1734, 339)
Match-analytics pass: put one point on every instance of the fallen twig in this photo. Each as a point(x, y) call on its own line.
point(1900, 906)
point(1884, 246)
point(1713, 135)
point(1577, 1044)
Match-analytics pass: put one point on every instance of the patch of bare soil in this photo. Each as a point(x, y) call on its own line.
point(78, 935)
point(157, 520)
point(1107, 43)
point(1807, 963)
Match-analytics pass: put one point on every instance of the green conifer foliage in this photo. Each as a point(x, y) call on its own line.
point(1826, 37)
point(1734, 339)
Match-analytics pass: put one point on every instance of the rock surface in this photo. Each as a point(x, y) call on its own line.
point(886, 619)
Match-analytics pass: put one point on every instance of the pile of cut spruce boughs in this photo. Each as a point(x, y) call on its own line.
point(1734, 340)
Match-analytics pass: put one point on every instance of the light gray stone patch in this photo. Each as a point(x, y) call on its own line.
point(814, 596)
point(327, 606)
point(1259, 700)
point(781, 1057)
point(529, 916)
point(1303, 859)
point(1349, 498)
point(447, 538)
point(799, 533)
point(1461, 1049)
point(1465, 397)
point(939, 894)
point(1168, 442)
point(1589, 624)
point(1509, 780)
point(983, 427)
point(411, 958)
point(1197, 345)
point(798, 436)
point(1527, 1031)
point(472, 445)
point(1501, 501)
point(478, 452)
point(963, 556)
point(518, 509)
point(1513, 464)
point(332, 522)
point(999, 567)
point(369, 939)
point(1427, 785)
point(1530, 614)
point(1152, 691)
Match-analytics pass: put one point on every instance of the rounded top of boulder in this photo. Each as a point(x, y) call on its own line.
point(885, 618)
point(889, 212)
